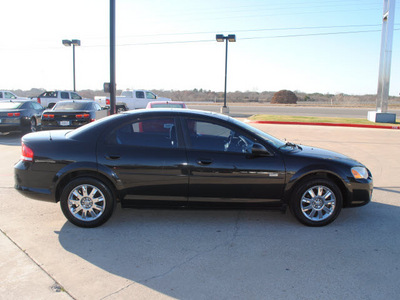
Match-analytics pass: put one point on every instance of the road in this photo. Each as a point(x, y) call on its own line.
point(210, 254)
point(241, 111)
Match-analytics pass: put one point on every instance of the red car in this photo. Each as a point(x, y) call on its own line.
point(166, 104)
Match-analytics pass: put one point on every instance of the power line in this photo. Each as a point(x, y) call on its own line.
point(250, 30)
point(249, 38)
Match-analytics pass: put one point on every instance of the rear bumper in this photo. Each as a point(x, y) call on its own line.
point(35, 193)
point(31, 185)
point(10, 127)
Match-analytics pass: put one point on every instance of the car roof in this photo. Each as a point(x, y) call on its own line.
point(85, 132)
point(76, 100)
point(165, 102)
point(17, 100)
point(177, 111)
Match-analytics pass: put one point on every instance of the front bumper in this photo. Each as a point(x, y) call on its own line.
point(361, 194)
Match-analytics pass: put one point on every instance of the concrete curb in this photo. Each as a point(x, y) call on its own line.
point(324, 124)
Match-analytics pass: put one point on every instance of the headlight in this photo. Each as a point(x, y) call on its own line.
point(359, 172)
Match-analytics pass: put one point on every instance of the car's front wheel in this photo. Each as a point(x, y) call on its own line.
point(316, 202)
point(87, 202)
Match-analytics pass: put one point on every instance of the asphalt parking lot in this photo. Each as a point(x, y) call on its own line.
point(210, 254)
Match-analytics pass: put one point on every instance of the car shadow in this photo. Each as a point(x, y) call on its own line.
point(200, 254)
point(11, 138)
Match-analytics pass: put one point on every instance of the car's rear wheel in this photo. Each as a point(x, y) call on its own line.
point(87, 202)
point(31, 126)
point(316, 202)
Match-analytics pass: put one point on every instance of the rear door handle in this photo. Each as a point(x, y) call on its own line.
point(112, 157)
point(204, 162)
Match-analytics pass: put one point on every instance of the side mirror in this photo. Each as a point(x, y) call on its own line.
point(259, 150)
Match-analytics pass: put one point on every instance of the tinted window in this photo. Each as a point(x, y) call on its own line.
point(8, 95)
point(150, 95)
point(64, 95)
point(27, 105)
point(1, 95)
point(159, 133)
point(48, 95)
point(167, 105)
point(37, 105)
point(140, 95)
point(71, 105)
point(75, 96)
point(214, 137)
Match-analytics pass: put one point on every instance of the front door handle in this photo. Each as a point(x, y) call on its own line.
point(204, 162)
point(112, 157)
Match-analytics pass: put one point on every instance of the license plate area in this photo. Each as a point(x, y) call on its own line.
point(65, 123)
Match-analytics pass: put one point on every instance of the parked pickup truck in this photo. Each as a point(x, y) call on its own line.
point(49, 98)
point(7, 95)
point(131, 99)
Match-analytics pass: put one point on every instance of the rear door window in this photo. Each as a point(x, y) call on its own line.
point(140, 95)
point(158, 133)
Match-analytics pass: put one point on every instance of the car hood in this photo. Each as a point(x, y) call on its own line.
point(312, 152)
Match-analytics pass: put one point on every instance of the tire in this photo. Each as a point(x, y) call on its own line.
point(31, 127)
point(120, 109)
point(316, 202)
point(87, 202)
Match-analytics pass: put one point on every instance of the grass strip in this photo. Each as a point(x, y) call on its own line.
point(304, 119)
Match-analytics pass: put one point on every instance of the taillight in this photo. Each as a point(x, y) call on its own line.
point(48, 116)
point(27, 153)
point(13, 114)
point(38, 100)
point(82, 116)
point(107, 101)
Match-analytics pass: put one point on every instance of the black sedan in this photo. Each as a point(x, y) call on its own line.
point(20, 115)
point(180, 157)
point(72, 114)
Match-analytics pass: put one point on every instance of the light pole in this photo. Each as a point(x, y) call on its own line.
point(228, 38)
point(74, 43)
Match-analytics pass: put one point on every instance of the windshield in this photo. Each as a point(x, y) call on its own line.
point(269, 138)
point(10, 105)
point(167, 105)
point(71, 106)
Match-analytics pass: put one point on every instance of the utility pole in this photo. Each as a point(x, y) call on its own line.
point(381, 114)
point(112, 58)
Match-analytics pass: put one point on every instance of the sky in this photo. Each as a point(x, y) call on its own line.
point(321, 46)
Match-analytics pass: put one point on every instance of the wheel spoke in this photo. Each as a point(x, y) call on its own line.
point(311, 192)
point(93, 192)
point(84, 191)
point(97, 200)
point(307, 208)
point(77, 195)
point(74, 202)
point(320, 190)
point(327, 195)
point(77, 209)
